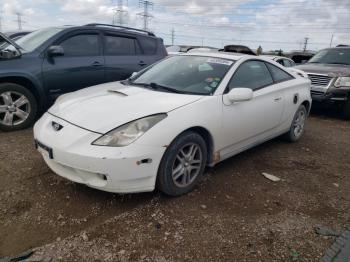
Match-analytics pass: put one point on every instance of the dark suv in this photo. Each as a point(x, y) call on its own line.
point(329, 71)
point(42, 65)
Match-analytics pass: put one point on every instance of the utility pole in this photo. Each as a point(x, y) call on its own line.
point(305, 43)
point(330, 44)
point(118, 16)
point(145, 14)
point(19, 21)
point(172, 36)
point(0, 20)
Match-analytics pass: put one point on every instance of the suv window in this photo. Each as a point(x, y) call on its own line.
point(251, 74)
point(148, 45)
point(81, 45)
point(278, 74)
point(117, 45)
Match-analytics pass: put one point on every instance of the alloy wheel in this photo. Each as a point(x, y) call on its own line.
point(14, 108)
point(187, 165)
point(299, 123)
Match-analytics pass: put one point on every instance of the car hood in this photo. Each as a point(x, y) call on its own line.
point(333, 70)
point(104, 107)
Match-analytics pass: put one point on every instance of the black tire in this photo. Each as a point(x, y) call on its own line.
point(291, 135)
point(165, 181)
point(346, 110)
point(31, 103)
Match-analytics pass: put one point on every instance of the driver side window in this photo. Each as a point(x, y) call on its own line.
point(251, 74)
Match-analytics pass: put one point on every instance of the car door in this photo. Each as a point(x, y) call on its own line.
point(81, 65)
point(122, 56)
point(246, 123)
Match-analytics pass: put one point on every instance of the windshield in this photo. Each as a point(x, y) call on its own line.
point(332, 56)
point(31, 41)
point(186, 74)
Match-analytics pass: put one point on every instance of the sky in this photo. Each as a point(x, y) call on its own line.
point(272, 24)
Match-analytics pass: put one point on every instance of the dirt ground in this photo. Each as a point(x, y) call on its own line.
point(235, 214)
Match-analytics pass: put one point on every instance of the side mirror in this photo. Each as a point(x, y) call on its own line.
point(239, 95)
point(133, 74)
point(55, 50)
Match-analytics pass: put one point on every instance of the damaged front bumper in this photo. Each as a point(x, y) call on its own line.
point(69, 153)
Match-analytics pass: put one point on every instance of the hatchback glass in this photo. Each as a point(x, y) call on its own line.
point(186, 74)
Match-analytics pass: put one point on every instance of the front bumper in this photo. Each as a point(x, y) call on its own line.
point(331, 95)
point(114, 169)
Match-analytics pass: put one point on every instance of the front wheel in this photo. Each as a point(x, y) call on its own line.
point(18, 107)
point(298, 125)
point(182, 165)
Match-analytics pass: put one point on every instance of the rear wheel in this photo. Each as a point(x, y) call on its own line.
point(182, 165)
point(18, 107)
point(298, 125)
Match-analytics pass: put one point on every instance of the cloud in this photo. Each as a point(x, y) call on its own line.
point(273, 24)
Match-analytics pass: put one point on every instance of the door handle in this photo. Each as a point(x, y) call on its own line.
point(141, 63)
point(96, 64)
point(278, 99)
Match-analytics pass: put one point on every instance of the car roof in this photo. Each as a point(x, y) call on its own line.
point(275, 56)
point(226, 55)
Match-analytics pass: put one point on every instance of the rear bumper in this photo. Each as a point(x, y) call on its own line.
point(112, 169)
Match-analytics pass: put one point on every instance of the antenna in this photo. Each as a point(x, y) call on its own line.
point(145, 14)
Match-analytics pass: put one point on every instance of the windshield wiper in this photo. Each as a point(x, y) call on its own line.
point(157, 87)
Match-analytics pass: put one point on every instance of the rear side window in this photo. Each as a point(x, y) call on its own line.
point(148, 45)
point(116, 45)
point(251, 74)
point(81, 45)
point(278, 74)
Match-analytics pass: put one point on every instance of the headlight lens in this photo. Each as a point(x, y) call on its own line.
point(128, 133)
point(342, 81)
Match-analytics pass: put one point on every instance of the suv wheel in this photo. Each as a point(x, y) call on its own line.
point(18, 107)
point(182, 165)
point(346, 110)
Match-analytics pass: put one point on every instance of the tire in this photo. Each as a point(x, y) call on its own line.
point(298, 125)
point(18, 107)
point(346, 110)
point(174, 163)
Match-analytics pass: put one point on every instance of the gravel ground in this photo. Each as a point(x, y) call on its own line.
point(236, 214)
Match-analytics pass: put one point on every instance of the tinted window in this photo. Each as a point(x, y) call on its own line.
point(116, 45)
point(251, 74)
point(287, 63)
point(81, 45)
point(278, 74)
point(149, 45)
point(332, 56)
point(280, 61)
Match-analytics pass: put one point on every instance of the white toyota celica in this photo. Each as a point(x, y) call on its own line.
point(164, 125)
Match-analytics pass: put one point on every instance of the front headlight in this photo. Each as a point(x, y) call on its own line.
point(128, 133)
point(342, 81)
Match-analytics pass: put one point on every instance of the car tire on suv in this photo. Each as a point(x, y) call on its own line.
point(182, 165)
point(18, 107)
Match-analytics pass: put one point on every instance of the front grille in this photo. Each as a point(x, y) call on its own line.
point(319, 80)
point(317, 93)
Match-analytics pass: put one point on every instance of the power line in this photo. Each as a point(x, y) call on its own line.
point(305, 43)
point(19, 21)
point(145, 14)
point(172, 36)
point(119, 12)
